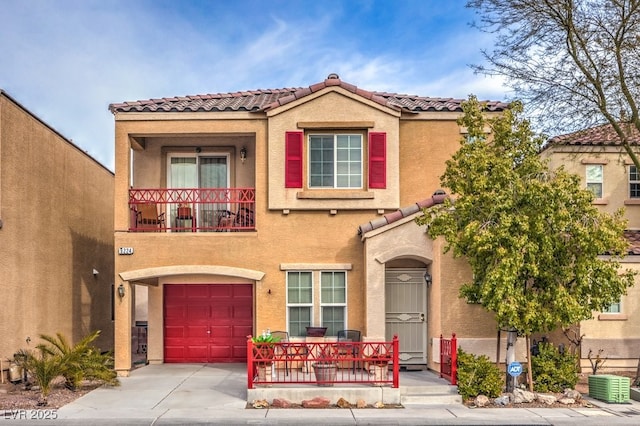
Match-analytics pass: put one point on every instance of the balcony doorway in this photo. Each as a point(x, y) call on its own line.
point(195, 171)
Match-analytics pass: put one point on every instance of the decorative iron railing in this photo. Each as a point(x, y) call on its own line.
point(449, 359)
point(323, 363)
point(192, 209)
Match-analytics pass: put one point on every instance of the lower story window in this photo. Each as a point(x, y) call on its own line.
point(320, 306)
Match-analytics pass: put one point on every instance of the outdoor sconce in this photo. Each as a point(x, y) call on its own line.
point(428, 279)
point(121, 291)
point(243, 154)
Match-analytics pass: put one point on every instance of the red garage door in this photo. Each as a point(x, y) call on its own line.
point(207, 322)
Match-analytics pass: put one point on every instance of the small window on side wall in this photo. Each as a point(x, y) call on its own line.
point(634, 182)
point(594, 178)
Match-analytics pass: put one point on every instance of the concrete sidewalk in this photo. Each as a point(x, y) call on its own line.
point(172, 394)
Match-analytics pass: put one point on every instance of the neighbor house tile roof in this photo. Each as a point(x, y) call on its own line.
point(599, 135)
point(438, 197)
point(633, 237)
point(266, 99)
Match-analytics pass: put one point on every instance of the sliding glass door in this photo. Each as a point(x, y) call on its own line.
point(199, 171)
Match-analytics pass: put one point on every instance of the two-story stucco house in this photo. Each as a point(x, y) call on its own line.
point(598, 158)
point(281, 209)
point(56, 235)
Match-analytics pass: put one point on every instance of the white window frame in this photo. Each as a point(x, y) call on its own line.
point(614, 308)
point(634, 182)
point(317, 304)
point(591, 181)
point(290, 304)
point(328, 304)
point(337, 163)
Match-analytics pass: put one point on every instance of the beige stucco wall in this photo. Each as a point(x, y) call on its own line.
point(615, 188)
point(57, 226)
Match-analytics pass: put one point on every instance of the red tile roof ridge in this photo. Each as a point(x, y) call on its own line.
point(261, 100)
point(603, 134)
point(438, 197)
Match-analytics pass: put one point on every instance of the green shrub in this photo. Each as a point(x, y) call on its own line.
point(552, 370)
point(43, 368)
point(81, 361)
point(76, 363)
point(477, 375)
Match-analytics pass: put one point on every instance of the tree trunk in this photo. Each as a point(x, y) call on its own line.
point(512, 336)
point(529, 372)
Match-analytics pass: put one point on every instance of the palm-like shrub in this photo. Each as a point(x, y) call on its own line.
point(81, 361)
point(42, 366)
point(75, 363)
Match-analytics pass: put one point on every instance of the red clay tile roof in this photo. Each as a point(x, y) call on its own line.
point(438, 197)
point(599, 135)
point(263, 100)
point(633, 237)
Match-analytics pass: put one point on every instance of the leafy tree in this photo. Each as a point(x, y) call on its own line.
point(574, 62)
point(531, 235)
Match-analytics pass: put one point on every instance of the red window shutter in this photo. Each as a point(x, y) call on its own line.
point(293, 160)
point(377, 160)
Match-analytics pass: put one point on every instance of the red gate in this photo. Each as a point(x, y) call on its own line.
point(449, 359)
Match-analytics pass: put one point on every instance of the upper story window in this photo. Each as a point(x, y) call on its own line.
point(634, 182)
point(594, 178)
point(335, 161)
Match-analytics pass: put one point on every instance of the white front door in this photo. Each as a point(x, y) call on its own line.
point(405, 313)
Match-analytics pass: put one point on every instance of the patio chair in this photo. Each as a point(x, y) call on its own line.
point(147, 216)
point(284, 340)
point(351, 350)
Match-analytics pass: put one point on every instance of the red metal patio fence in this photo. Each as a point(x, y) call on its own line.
point(286, 363)
point(449, 359)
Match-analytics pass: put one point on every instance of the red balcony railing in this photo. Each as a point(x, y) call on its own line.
point(192, 209)
point(323, 363)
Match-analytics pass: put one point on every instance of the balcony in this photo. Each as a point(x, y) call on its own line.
point(192, 210)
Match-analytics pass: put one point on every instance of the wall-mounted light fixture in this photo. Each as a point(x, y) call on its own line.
point(121, 291)
point(428, 279)
point(95, 272)
point(243, 154)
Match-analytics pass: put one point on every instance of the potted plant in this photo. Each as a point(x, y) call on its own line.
point(263, 351)
point(378, 365)
point(326, 367)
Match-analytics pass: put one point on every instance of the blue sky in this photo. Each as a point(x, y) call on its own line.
point(67, 60)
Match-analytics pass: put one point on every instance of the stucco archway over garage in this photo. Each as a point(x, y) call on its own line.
point(392, 237)
point(155, 279)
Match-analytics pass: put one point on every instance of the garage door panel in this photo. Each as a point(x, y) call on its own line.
point(172, 312)
point(198, 313)
point(207, 322)
point(197, 291)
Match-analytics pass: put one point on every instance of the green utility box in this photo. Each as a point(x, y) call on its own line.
point(609, 388)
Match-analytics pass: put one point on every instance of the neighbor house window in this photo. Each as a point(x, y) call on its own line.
point(335, 161)
point(634, 182)
point(614, 308)
point(333, 301)
point(318, 306)
point(594, 179)
point(299, 301)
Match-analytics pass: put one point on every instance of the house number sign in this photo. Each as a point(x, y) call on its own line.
point(125, 250)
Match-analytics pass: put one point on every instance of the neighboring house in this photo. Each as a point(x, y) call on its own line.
point(603, 165)
point(56, 235)
point(280, 209)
